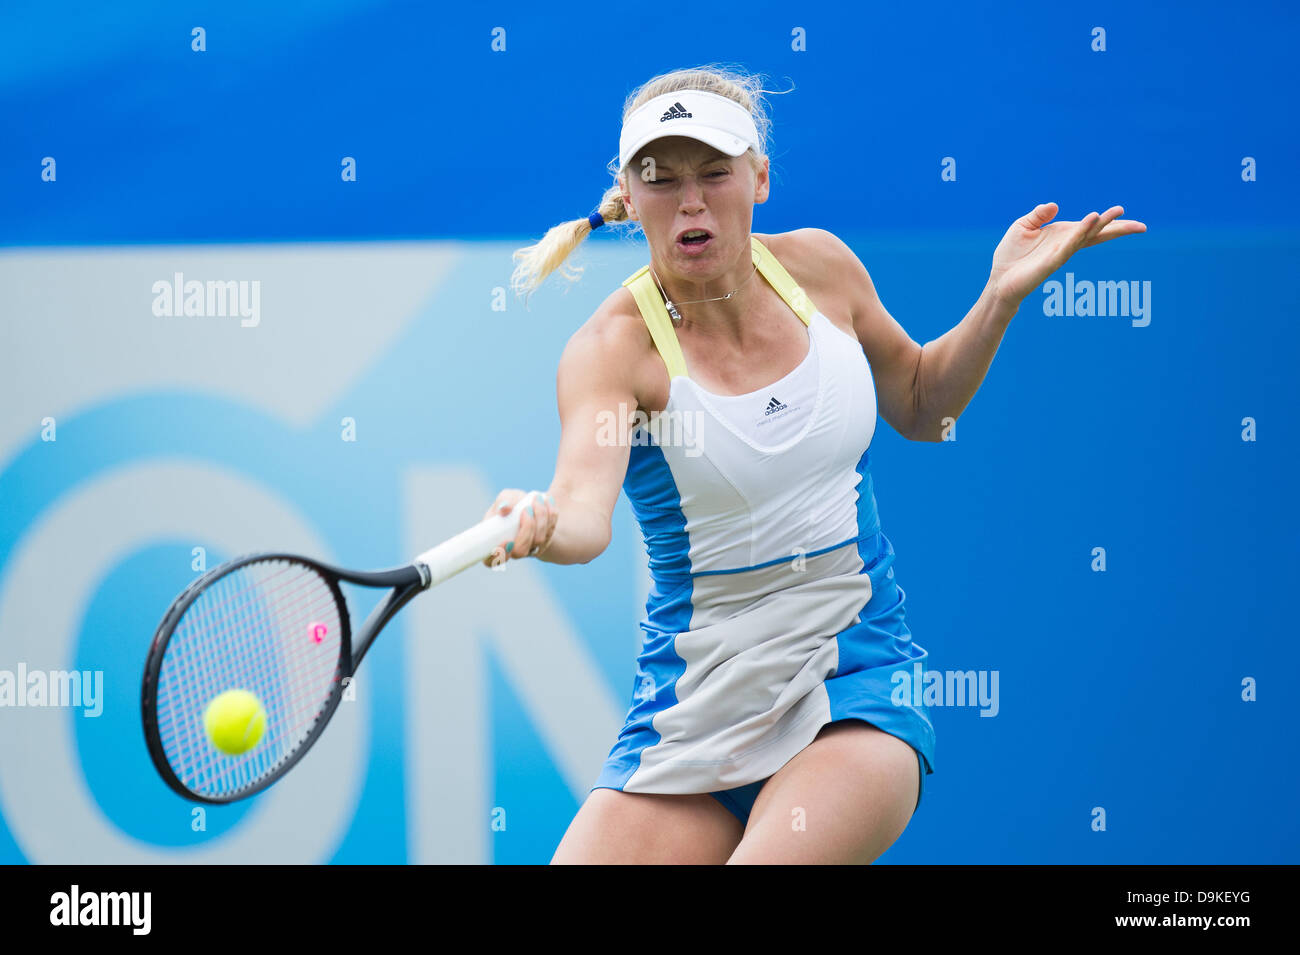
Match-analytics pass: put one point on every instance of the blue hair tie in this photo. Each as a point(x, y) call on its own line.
point(596, 220)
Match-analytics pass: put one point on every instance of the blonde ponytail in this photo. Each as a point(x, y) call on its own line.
point(538, 261)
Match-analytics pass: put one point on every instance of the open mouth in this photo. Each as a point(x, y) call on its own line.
point(694, 237)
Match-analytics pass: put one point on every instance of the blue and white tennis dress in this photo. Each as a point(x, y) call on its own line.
point(773, 608)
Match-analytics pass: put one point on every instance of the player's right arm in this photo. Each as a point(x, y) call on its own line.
point(596, 396)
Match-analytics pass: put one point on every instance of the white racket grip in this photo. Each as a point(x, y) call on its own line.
point(475, 545)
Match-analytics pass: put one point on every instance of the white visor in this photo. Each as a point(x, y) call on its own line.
point(721, 122)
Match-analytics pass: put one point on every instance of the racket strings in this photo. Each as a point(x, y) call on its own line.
point(271, 627)
point(222, 620)
point(204, 767)
point(296, 693)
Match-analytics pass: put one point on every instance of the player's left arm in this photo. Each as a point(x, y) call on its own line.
point(918, 387)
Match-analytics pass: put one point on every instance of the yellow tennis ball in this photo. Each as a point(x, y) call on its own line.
point(235, 721)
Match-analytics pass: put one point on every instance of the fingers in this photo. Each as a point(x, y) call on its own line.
point(537, 521)
point(536, 524)
point(1117, 228)
point(1093, 228)
point(528, 521)
point(503, 504)
point(1039, 216)
point(1109, 226)
point(546, 518)
point(1103, 220)
point(1083, 231)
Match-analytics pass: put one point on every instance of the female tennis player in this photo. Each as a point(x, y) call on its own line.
point(765, 725)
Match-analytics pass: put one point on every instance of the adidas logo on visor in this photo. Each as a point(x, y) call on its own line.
point(676, 111)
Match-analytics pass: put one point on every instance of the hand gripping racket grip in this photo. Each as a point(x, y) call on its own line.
point(474, 545)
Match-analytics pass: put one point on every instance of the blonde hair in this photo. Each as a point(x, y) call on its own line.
point(538, 261)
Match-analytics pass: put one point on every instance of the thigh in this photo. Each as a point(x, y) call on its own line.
point(615, 827)
point(844, 799)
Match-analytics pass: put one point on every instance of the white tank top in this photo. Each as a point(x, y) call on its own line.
point(719, 486)
point(771, 416)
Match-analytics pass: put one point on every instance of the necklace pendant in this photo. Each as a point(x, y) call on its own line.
point(672, 310)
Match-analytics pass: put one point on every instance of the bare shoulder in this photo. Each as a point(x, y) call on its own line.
point(804, 249)
point(611, 347)
point(615, 329)
point(822, 264)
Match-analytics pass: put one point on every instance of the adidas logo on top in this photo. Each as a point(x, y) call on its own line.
point(676, 111)
point(774, 406)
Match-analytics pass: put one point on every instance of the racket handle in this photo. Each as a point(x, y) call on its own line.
point(475, 545)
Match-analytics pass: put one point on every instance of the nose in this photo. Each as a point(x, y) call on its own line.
point(692, 194)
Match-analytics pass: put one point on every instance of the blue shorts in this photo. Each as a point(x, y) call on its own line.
point(740, 801)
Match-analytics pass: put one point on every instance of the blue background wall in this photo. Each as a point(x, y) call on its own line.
point(1120, 690)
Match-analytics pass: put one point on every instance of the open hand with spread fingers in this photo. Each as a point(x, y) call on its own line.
point(1035, 247)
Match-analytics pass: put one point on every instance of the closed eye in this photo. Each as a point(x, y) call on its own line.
point(716, 172)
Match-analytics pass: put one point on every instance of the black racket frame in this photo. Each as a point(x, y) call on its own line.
point(406, 582)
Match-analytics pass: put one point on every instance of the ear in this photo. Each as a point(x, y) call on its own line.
point(627, 198)
point(762, 182)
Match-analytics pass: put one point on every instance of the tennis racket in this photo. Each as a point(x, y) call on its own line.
point(276, 625)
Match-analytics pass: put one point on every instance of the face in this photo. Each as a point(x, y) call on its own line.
point(676, 184)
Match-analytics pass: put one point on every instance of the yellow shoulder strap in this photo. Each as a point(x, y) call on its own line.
point(651, 303)
point(780, 279)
